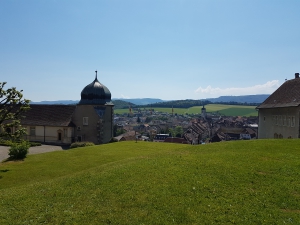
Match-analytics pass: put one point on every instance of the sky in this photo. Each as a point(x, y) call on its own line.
point(167, 49)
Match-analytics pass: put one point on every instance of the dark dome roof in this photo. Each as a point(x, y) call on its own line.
point(95, 94)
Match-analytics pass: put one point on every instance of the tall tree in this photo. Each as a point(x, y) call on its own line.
point(178, 131)
point(12, 108)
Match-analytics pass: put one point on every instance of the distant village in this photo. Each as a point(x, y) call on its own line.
point(278, 118)
point(151, 125)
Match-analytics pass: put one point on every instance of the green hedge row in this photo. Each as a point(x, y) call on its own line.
point(10, 143)
point(81, 144)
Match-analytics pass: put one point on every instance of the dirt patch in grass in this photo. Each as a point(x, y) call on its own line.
point(291, 210)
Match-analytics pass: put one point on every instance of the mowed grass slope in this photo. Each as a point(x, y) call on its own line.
point(242, 182)
point(227, 110)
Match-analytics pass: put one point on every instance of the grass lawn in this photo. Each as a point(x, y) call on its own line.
point(242, 182)
point(227, 110)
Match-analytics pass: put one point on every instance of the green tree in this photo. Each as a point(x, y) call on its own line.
point(178, 131)
point(171, 131)
point(115, 128)
point(12, 108)
point(118, 130)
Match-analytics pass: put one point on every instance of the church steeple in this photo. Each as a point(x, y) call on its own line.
point(95, 94)
point(203, 112)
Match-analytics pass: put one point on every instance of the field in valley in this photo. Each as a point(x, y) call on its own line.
point(241, 182)
point(226, 110)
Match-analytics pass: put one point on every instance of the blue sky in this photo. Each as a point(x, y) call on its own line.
point(168, 49)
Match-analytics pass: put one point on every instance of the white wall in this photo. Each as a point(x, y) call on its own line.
point(281, 121)
point(49, 134)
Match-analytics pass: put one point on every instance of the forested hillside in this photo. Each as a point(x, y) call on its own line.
point(249, 99)
point(179, 104)
point(119, 104)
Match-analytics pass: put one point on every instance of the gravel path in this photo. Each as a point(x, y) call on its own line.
point(32, 150)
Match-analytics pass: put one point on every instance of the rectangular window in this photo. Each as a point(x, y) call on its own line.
point(85, 121)
point(293, 121)
point(284, 121)
point(65, 132)
point(289, 121)
point(280, 121)
point(276, 120)
point(32, 131)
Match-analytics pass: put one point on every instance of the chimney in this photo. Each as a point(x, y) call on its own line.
point(296, 75)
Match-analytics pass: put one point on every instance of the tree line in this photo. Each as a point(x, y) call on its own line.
point(119, 104)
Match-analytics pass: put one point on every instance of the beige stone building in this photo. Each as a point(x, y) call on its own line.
point(279, 114)
point(90, 120)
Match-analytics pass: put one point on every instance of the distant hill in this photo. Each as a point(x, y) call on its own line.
point(140, 101)
point(179, 104)
point(58, 102)
point(232, 100)
point(120, 104)
point(240, 99)
point(123, 103)
point(116, 101)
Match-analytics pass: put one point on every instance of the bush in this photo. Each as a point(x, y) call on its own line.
point(81, 144)
point(18, 150)
point(6, 142)
point(10, 143)
point(113, 140)
point(33, 144)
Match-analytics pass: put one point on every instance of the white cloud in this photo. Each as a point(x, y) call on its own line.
point(266, 88)
point(123, 96)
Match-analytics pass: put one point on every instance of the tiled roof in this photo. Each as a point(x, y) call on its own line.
point(49, 115)
point(128, 136)
point(287, 95)
point(250, 131)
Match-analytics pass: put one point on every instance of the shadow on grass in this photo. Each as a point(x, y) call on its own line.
point(10, 159)
point(3, 171)
point(65, 147)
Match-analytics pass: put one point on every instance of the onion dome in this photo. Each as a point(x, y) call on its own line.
point(95, 94)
